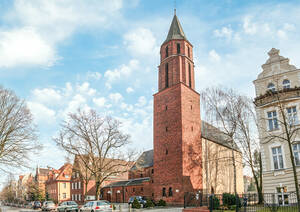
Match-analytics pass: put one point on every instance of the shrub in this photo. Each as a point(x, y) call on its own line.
point(233, 207)
point(162, 202)
point(228, 199)
point(136, 204)
point(149, 204)
point(215, 202)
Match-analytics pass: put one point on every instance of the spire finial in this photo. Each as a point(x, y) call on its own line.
point(174, 7)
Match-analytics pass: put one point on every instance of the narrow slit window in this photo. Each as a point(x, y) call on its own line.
point(178, 48)
point(167, 75)
point(190, 78)
point(167, 51)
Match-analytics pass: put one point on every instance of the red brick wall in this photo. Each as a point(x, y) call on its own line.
point(140, 173)
point(176, 124)
point(122, 194)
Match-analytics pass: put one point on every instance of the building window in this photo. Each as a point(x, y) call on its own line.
point(283, 197)
point(277, 157)
point(191, 107)
point(79, 197)
point(72, 185)
point(190, 77)
point(178, 48)
point(167, 151)
point(65, 185)
point(170, 192)
point(142, 189)
point(64, 195)
point(166, 107)
point(141, 175)
point(296, 150)
point(292, 115)
point(166, 129)
point(192, 128)
point(72, 196)
point(272, 120)
point(75, 185)
point(133, 189)
point(286, 84)
point(167, 75)
point(79, 185)
point(164, 192)
point(271, 87)
point(188, 51)
point(167, 51)
point(152, 171)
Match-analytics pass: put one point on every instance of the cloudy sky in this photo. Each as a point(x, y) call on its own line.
point(61, 55)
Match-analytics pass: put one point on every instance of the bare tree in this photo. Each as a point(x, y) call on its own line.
point(221, 105)
point(17, 132)
point(287, 121)
point(248, 141)
point(98, 143)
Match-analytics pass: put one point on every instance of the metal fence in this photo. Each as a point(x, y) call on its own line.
point(271, 202)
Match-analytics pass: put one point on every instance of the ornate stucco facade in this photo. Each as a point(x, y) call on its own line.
point(278, 82)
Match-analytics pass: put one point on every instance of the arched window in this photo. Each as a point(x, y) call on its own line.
point(178, 48)
point(286, 84)
point(190, 77)
point(167, 75)
point(271, 87)
point(188, 51)
point(167, 51)
point(170, 192)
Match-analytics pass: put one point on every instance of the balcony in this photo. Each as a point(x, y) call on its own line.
point(274, 96)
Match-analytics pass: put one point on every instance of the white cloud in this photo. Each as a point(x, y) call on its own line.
point(129, 90)
point(115, 97)
point(214, 56)
point(41, 113)
point(100, 102)
point(141, 42)
point(224, 32)
point(42, 25)
point(47, 96)
point(249, 26)
point(141, 102)
point(123, 71)
point(84, 88)
point(93, 75)
point(25, 47)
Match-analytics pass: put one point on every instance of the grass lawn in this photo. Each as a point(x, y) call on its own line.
point(280, 209)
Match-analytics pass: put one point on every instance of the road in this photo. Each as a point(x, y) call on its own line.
point(10, 209)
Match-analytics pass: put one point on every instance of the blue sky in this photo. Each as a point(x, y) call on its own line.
point(61, 55)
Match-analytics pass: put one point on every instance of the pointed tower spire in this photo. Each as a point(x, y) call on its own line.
point(175, 31)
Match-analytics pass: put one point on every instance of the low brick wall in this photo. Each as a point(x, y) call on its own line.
point(200, 209)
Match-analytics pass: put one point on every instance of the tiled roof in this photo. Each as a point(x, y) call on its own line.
point(175, 31)
point(131, 182)
point(215, 135)
point(144, 161)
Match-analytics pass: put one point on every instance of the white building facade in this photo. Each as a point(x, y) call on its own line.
point(278, 82)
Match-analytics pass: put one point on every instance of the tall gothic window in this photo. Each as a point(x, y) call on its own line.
point(170, 192)
point(167, 51)
point(190, 77)
point(178, 48)
point(167, 75)
point(164, 192)
point(188, 51)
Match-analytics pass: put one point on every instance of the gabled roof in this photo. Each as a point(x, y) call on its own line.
point(175, 31)
point(215, 135)
point(144, 161)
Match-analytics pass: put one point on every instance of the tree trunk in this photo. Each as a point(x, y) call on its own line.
point(234, 171)
point(260, 194)
point(98, 190)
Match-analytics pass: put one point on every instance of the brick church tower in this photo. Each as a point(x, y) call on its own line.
point(177, 123)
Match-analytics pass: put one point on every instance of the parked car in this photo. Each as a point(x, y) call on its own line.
point(140, 199)
point(95, 206)
point(48, 206)
point(67, 206)
point(37, 205)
